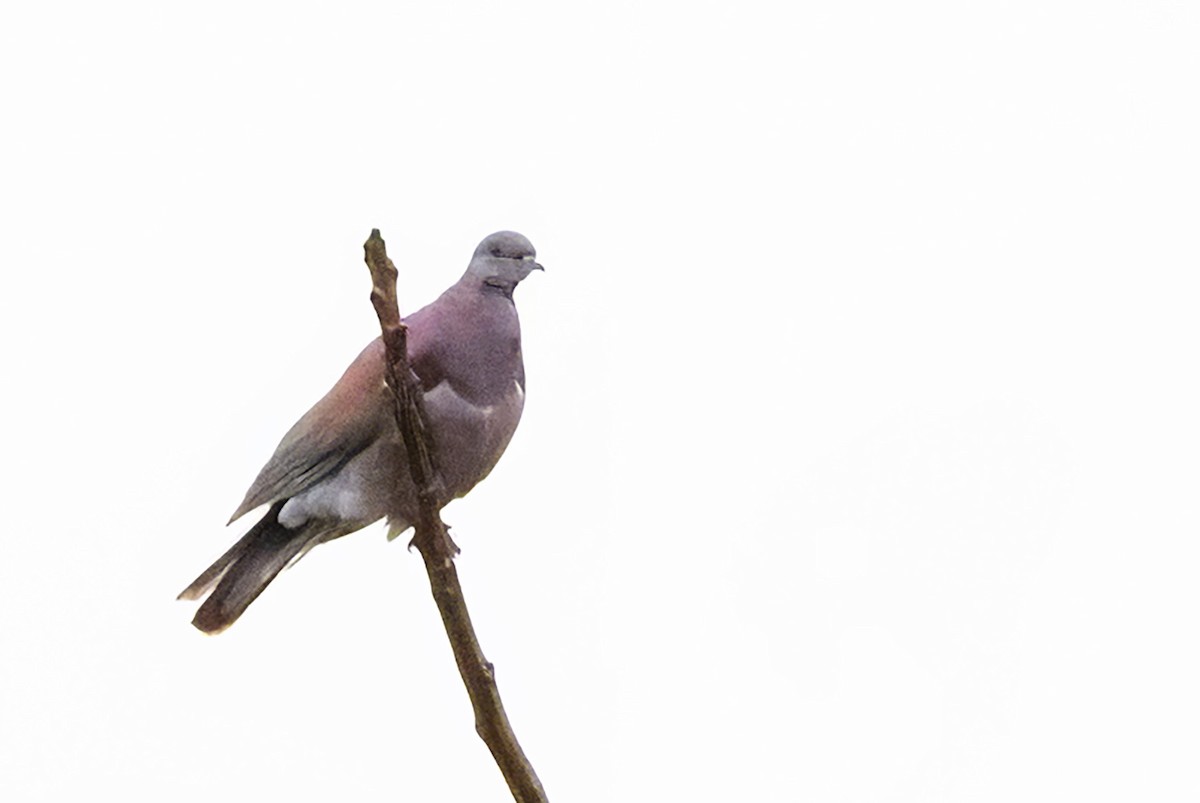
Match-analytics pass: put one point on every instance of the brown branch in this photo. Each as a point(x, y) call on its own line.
point(433, 541)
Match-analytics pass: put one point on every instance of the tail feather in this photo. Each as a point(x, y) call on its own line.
point(205, 582)
point(242, 573)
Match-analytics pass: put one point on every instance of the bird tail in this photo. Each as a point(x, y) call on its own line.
point(240, 575)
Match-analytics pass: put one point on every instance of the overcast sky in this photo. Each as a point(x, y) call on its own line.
point(859, 458)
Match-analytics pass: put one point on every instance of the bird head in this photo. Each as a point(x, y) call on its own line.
point(503, 259)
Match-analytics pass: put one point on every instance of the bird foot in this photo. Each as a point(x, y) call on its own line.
point(447, 546)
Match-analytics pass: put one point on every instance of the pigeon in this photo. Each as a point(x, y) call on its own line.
point(343, 465)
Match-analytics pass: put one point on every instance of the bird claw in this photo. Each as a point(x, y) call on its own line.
point(451, 547)
point(448, 547)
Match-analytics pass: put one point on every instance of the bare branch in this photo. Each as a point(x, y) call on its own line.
point(432, 539)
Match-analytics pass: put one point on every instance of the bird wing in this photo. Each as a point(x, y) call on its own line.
point(343, 423)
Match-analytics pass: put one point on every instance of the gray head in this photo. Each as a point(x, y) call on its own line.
point(503, 259)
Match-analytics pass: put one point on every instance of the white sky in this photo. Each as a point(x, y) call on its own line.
point(859, 461)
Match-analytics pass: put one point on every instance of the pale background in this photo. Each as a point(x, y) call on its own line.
point(860, 454)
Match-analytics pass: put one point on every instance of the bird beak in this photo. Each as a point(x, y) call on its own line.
point(536, 266)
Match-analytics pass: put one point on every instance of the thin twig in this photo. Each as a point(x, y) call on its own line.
point(433, 541)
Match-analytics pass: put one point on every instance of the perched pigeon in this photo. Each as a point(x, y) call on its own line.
point(343, 465)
